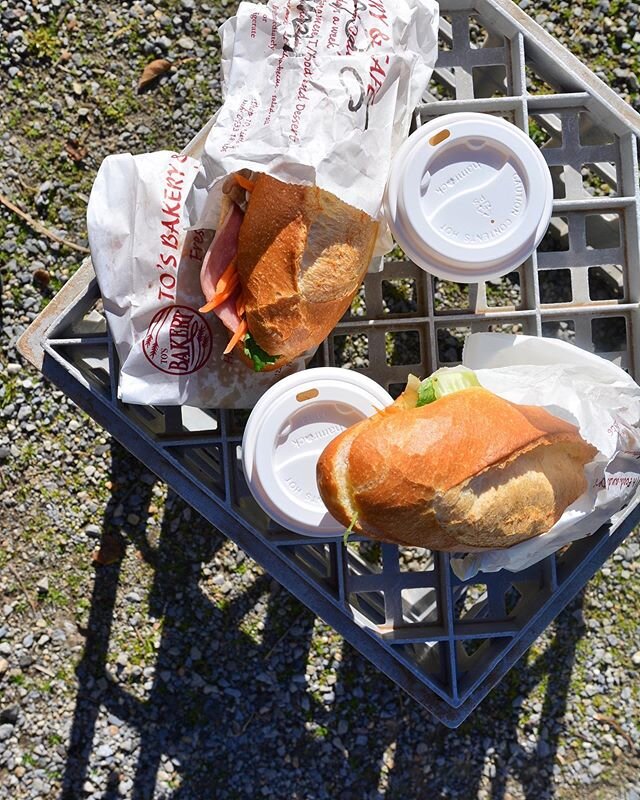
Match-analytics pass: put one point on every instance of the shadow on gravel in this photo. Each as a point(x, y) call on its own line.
point(233, 712)
point(496, 741)
point(91, 670)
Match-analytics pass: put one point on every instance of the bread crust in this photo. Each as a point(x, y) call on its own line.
point(302, 254)
point(469, 471)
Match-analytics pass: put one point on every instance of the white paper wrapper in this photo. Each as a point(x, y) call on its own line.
point(319, 92)
point(597, 396)
point(316, 92)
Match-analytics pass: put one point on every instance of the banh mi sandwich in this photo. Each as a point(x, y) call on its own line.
point(452, 466)
point(283, 266)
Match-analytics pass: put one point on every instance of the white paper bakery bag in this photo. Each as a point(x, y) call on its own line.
point(594, 394)
point(148, 268)
point(315, 93)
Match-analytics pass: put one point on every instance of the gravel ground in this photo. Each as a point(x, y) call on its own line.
point(182, 670)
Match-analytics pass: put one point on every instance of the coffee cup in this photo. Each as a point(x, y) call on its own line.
point(287, 431)
point(469, 197)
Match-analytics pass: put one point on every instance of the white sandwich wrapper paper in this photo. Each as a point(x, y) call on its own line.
point(582, 388)
point(316, 92)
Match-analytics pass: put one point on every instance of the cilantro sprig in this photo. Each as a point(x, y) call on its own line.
point(349, 531)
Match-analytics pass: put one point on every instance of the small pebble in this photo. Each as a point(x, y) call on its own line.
point(6, 731)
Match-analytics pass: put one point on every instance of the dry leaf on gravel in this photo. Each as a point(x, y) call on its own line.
point(152, 71)
point(76, 152)
point(42, 277)
point(111, 549)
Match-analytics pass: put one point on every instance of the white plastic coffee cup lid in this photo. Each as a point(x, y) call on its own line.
point(469, 197)
point(287, 431)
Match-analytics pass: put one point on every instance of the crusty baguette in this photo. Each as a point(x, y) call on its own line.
point(469, 471)
point(302, 254)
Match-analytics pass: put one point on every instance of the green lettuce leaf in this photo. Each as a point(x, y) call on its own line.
point(426, 393)
point(257, 355)
point(446, 380)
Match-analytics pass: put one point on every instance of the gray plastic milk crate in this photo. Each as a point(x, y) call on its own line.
point(446, 642)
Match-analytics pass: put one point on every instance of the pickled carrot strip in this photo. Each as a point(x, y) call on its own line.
point(243, 329)
point(220, 297)
point(240, 307)
point(208, 306)
point(229, 272)
point(245, 183)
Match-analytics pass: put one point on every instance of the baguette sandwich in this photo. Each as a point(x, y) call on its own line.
point(283, 266)
point(458, 471)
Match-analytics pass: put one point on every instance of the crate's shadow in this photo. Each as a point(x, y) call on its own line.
point(222, 703)
point(498, 744)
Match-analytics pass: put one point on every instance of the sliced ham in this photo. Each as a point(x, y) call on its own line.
point(227, 312)
point(221, 252)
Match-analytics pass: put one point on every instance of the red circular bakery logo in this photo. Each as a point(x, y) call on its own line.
point(177, 341)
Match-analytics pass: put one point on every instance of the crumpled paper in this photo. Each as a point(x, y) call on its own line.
point(594, 394)
point(317, 91)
